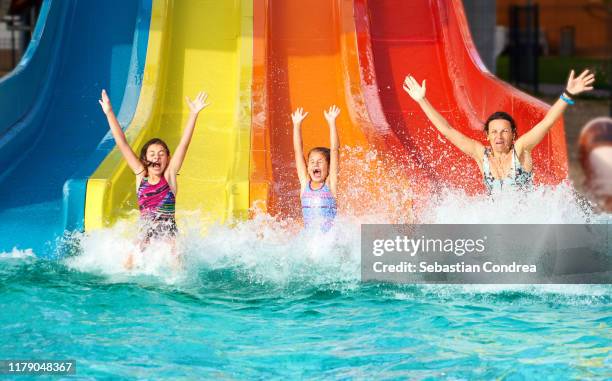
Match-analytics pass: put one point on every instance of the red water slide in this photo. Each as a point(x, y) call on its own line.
point(430, 39)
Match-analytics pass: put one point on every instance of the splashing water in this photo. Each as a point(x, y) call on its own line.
point(263, 299)
point(17, 254)
point(265, 249)
point(544, 205)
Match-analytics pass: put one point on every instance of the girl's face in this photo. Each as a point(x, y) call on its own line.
point(318, 168)
point(500, 135)
point(158, 159)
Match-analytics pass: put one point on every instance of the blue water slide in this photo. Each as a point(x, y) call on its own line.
point(52, 132)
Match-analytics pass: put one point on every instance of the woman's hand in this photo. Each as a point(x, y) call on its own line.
point(580, 84)
point(411, 86)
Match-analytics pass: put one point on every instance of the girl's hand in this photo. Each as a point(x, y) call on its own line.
point(298, 116)
point(198, 104)
point(411, 86)
point(105, 102)
point(583, 83)
point(331, 114)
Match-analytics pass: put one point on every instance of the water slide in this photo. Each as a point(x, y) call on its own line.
point(355, 54)
point(430, 39)
point(306, 55)
point(50, 124)
point(259, 60)
point(193, 45)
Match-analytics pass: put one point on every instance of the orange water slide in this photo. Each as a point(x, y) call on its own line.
point(305, 55)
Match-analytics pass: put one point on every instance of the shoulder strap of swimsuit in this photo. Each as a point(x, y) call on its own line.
point(486, 168)
point(307, 189)
point(140, 187)
point(515, 161)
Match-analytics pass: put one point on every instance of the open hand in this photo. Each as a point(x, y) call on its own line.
point(411, 86)
point(582, 83)
point(298, 116)
point(105, 102)
point(331, 114)
point(199, 103)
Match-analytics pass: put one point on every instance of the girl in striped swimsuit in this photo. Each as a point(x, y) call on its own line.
point(156, 173)
point(318, 178)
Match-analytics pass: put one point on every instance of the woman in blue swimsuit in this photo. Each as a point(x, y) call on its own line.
point(507, 163)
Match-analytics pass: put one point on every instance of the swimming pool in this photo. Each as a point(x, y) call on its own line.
point(262, 303)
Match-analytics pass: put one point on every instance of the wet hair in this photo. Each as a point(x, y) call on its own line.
point(503, 116)
point(322, 150)
point(145, 147)
point(596, 133)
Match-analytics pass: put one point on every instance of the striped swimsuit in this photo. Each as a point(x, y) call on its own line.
point(518, 179)
point(318, 207)
point(156, 203)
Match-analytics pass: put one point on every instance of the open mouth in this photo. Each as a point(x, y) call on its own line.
point(316, 172)
point(155, 165)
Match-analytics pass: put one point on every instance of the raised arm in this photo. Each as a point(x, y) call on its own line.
point(468, 146)
point(195, 106)
point(300, 165)
point(132, 160)
point(334, 148)
point(575, 86)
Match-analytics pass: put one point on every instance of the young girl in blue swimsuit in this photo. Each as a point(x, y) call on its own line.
point(507, 163)
point(318, 178)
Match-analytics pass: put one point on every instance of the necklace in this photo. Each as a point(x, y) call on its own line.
point(498, 164)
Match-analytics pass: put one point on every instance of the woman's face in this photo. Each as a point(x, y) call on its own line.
point(500, 135)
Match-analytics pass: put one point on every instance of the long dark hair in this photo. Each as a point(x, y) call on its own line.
point(145, 147)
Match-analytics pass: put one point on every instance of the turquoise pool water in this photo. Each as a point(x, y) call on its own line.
point(258, 302)
point(220, 324)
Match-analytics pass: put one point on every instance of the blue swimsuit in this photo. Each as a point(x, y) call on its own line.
point(518, 179)
point(318, 207)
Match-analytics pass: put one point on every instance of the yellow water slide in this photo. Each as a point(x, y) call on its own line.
point(193, 45)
